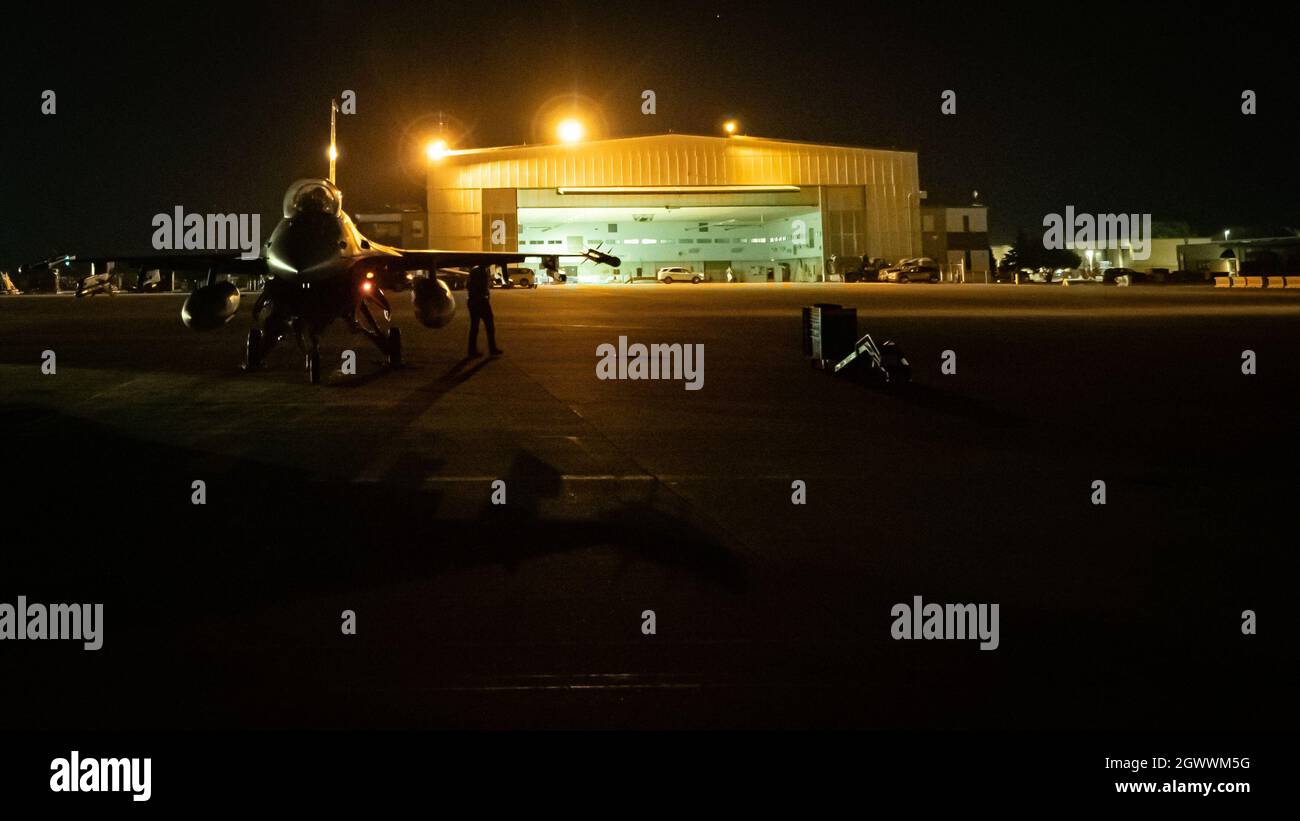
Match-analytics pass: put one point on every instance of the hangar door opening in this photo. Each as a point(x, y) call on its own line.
point(777, 240)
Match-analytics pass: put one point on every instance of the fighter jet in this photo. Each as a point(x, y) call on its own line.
point(96, 284)
point(319, 268)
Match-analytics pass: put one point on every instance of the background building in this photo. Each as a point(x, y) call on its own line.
point(772, 210)
point(1262, 256)
point(1162, 253)
point(957, 239)
point(403, 226)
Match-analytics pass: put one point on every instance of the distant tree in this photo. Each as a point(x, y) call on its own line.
point(1060, 258)
point(1013, 259)
point(1028, 252)
point(1258, 231)
point(1171, 229)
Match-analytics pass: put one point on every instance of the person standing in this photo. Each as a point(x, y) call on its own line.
point(480, 308)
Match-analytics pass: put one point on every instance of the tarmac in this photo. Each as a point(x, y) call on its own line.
point(373, 493)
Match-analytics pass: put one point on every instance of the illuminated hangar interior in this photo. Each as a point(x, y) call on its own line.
point(770, 210)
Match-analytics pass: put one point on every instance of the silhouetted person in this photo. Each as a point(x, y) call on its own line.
point(480, 308)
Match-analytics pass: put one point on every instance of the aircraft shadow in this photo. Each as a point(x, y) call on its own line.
point(106, 514)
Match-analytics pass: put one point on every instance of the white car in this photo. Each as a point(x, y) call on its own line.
point(679, 274)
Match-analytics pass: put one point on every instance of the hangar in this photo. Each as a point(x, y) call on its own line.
point(771, 210)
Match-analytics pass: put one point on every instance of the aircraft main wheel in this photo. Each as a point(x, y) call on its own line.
point(313, 367)
point(395, 346)
point(253, 350)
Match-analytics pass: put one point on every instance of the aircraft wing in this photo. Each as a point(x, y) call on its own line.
point(220, 263)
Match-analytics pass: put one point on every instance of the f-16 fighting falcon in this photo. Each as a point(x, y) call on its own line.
point(319, 268)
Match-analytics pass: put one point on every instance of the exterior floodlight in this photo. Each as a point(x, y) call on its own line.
point(730, 126)
point(569, 131)
point(436, 150)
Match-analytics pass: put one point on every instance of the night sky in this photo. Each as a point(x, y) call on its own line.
point(1107, 108)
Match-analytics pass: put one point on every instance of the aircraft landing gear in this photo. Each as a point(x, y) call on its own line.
point(388, 342)
point(253, 351)
point(313, 364)
point(269, 327)
point(394, 346)
point(309, 341)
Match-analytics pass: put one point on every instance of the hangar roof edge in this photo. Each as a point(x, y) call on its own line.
point(670, 136)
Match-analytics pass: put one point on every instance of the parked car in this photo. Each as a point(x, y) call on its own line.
point(1074, 276)
point(868, 270)
point(519, 277)
point(679, 274)
point(891, 270)
point(920, 269)
point(844, 268)
point(1122, 276)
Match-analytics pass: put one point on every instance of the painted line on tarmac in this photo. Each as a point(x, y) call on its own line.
point(611, 477)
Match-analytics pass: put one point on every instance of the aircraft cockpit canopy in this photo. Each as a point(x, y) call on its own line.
point(312, 197)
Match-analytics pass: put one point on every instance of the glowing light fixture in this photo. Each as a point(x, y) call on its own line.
point(436, 149)
point(333, 152)
point(730, 126)
point(569, 131)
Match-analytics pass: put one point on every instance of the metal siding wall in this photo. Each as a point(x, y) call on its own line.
point(891, 223)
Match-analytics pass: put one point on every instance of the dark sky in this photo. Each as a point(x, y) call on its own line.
point(1110, 108)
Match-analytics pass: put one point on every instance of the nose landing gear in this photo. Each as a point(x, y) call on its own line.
point(394, 345)
point(309, 340)
point(275, 319)
point(313, 364)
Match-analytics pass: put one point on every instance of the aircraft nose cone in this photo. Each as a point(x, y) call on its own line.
point(291, 259)
point(302, 246)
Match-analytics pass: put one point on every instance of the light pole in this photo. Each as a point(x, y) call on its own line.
point(334, 151)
